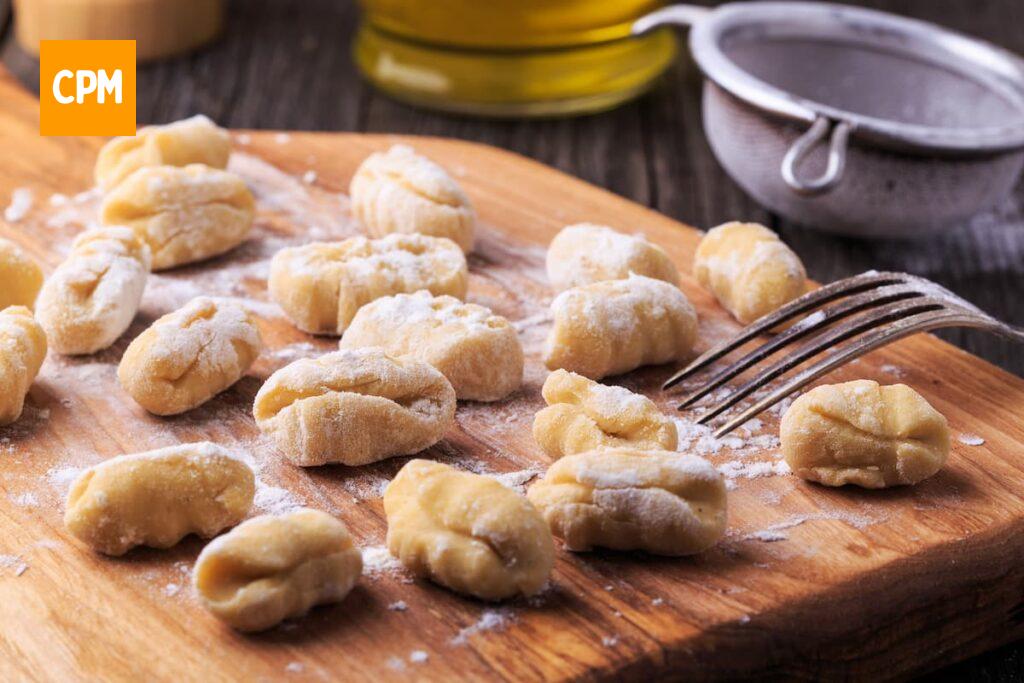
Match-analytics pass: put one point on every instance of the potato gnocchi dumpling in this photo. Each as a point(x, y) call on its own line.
point(612, 327)
point(158, 497)
point(627, 499)
point(354, 407)
point(185, 214)
point(477, 351)
point(22, 350)
point(189, 356)
point(865, 434)
point(321, 285)
point(749, 270)
point(583, 415)
point(585, 253)
point(400, 191)
point(93, 296)
point(467, 532)
point(197, 140)
point(20, 276)
point(275, 567)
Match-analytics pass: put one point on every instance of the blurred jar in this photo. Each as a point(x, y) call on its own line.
point(511, 57)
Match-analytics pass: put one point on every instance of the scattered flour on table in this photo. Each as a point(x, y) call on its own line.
point(378, 562)
point(516, 480)
point(970, 439)
point(396, 663)
point(274, 500)
point(22, 200)
point(491, 620)
point(610, 641)
point(295, 667)
point(27, 499)
point(62, 477)
point(418, 656)
point(309, 177)
point(14, 564)
point(398, 606)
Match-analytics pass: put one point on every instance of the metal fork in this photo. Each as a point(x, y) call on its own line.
point(878, 308)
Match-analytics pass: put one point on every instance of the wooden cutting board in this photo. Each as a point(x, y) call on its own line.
point(809, 582)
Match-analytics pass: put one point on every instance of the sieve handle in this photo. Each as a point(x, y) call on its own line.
point(805, 144)
point(679, 15)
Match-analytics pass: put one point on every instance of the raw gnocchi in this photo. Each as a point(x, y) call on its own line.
point(585, 253)
point(583, 415)
point(20, 277)
point(22, 350)
point(400, 191)
point(477, 351)
point(276, 567)
point(749, 270)
point(93, 296)
point(607, 328)
point(354, 407)
point(467, 532)
point(321, 285)
point(185, 214)
point(865, 434)
point(159, 497)
point(627, 499)
point(189, 356)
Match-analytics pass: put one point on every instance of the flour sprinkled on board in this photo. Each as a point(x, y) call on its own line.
point(22, 200)
point(970, 440)
point(490, 620)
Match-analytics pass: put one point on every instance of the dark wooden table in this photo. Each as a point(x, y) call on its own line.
point(284, 64)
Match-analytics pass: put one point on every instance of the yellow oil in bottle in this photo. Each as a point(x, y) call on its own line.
point(511, 57)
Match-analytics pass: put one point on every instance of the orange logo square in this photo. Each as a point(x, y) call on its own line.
point(87, 87)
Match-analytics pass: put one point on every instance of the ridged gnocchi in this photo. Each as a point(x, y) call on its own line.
point(196, 140)
point(584, 253)
point(158, 497)
point(467, 532)
point(583, 415)
point(749, 270)
point(865, 434)
point(20, 276)
point(400, 191)
point(477, 351)
point(321, 285)
point(612, 327)
point(185, 214)
point(627, 499)
point(275, 567)
point(93, 296)
point(354, 407)
point(189, 356)
point(22, 351)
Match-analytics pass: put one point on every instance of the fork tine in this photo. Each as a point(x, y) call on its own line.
point(804, 304)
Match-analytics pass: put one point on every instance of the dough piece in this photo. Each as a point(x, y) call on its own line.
point(185, 214)
point(748, 269)
point(467, 532)
point(20, 276)
point(159, 497)
point(865, 434)
point(189, 356)
point(322, 285)
point(627, 499)
point(197, 140)
point(22, 350)
point(275, 567)
point(400, 191)
point(477, 351)
point(585, 253)
point(607, 328)
point(93, 296)
point(354, 407)
point(583, 415)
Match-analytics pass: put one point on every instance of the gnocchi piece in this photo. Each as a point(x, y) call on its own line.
point(185, 214)
point(865, 434)
point(23, 346)
point(628, 499)
point(197, 140)
point(467, 532)
point(583, 415)
point(749, 270)
point(274, 567)
point(612, 327)
point(189, 356)
point(477, 351)
point(354, 407)
point(321, 285)
point(159, 497)
point(93, 296)
point(20, 276)
point(585, 253)
point(400, 191)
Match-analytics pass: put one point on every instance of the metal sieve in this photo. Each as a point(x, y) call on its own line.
point(852, 120)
